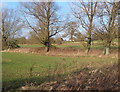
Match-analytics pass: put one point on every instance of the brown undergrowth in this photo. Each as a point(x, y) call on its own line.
point(103, 78)
point(54, 51)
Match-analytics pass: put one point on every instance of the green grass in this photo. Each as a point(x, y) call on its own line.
point(100, 47)
point(69, 46)
point(21, 63)
point(16, 67)
point(96, 45)
point(115, 40)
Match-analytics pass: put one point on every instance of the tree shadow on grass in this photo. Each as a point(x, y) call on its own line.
point(17, 83)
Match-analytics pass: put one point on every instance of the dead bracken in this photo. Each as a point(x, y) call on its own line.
point(104, 78)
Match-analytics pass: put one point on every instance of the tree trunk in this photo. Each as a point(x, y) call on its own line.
point(89, 39)
point(88, 45)
point(4, 43)
point(47, 45)
point(107, 49)
point(47, 49)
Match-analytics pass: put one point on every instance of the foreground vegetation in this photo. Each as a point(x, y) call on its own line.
point(55, 46)
point(103, 78)
point(20, 69)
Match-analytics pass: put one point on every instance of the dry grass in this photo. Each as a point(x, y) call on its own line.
point(54, 51)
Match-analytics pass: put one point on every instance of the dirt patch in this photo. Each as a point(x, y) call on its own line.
point(6, 60)
point(104, 78)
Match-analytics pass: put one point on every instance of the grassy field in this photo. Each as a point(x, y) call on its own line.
point(96, 45)
point(20, 68)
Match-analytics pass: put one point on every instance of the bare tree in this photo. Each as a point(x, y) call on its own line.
point(109, 24)
point(33, 39)
point(71, 30)
point(46, 21)
point(85, 13)
point(11, 25)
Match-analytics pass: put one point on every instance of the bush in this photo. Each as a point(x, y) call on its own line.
point(11, 44)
